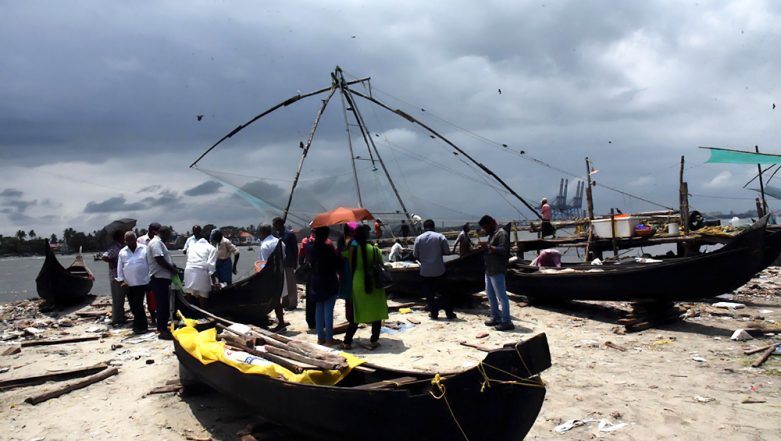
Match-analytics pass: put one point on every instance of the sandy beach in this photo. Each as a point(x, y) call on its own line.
point(685, 380)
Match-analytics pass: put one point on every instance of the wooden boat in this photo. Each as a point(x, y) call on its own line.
point(498, 400)
point(63, 286)
point(250, 299)
point(679, 278)
point(464, 275)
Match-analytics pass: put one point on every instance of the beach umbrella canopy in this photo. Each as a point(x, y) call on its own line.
point(341, 215)
point(124, 224)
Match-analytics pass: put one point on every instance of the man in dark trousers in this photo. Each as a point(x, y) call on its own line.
point(161, 270)
point(428, 249)
point(497, 253)
point(290, 301)
point(404, 229)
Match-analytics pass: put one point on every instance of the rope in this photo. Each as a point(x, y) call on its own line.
point(437, 383)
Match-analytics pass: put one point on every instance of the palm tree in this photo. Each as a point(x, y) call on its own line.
point(21, 235)
point(32, 234)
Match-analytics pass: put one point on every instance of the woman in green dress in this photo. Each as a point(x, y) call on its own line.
point(367, 302)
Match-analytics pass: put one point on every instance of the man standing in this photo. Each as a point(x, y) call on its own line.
point(133, 275)
point(496, 256)
point(378, 229)
point(117, 292)
point(290, 302)
point(463, 242)
point(268, 244)
point(428, 249)
point(199, 271)
point(547, 228)
point(225, 249)
point(404, 229)
point(161, 269)
point(192, 239)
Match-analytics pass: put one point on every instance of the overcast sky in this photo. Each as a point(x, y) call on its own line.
point(99, 103)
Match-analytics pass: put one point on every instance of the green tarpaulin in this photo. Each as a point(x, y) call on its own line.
point(726, 156)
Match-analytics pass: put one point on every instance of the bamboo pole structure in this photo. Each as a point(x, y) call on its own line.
point(761, 185)
point(683, 197)
point(350, 145)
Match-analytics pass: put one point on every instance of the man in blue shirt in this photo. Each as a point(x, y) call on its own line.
point(429, 249)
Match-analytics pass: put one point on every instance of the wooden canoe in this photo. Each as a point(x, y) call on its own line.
point(63, 286)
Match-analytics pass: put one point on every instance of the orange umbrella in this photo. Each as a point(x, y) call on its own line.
point(341, 215)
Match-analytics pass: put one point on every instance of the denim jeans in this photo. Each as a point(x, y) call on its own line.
point(496, 292)
point(324, 319)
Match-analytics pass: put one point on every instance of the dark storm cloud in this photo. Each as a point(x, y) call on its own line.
point(118, 203)
point(208, 187)
point(150, 189)
point(10, 193)
point(167, 199)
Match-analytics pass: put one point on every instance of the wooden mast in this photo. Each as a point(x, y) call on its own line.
point(589, 198)
point(369, 141)
point(684, 200)
point(306, 150)
point(350, 145)
point(411, 119)
point(761, 184)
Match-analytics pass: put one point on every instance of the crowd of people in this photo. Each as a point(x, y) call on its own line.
point(351, 269)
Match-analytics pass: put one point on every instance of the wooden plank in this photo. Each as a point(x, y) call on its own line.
point(12, 383)
point(612, 345)
point(70, 387)
point(304, 359)
point(765, 355)
point(476, 346)
point(59, 341)
point(387, 384)
point(757, 350)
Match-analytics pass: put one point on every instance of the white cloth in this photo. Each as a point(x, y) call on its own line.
point(226, 249)
point(132, 266)
point(156, 248)
point(187, 244)
point(395, 252)
point(267, 247)
point(143, 240)
point(201, 262)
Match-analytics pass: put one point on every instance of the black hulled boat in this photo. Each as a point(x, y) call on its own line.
point(63, 286)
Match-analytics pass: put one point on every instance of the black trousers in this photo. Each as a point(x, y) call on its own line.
point(161, 287)
point(135, 297)
point(432, 287)
point(352, 327)
point(310, 306)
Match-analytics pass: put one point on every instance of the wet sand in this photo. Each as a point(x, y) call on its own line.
point(685, 380)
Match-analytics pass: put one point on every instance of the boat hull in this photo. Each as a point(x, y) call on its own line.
point(63, 286)
point(685, 278)
point(463, 276)
point(345, 412)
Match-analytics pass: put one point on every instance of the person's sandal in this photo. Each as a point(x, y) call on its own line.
point(345, 346)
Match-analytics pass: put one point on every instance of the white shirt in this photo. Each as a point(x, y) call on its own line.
point(190, 241)
point(201, 261)
point(267, 247)
point(395, 252)
point(156, 248)
point(143, 240)
point(132, 266)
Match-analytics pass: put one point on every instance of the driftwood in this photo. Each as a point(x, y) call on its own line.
point(11, 350)
point(322, 364)
point(612, 345)
point(170, 388)
point(70, 387)
point(12, 383)
point(765, 355)
point(476, 346)
point(757, 350)
point(88, 314)
point(58, 341)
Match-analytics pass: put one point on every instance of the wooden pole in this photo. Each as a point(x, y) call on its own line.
point(761, 184)
point(306, 150)
point(70, 387)
point(613, 233)
point(589, 198)
point(765, 355)
point(59, 341)
point(54, 376)
point(352, 154)
point(683, 197)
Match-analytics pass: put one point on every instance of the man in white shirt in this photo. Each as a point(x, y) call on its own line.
point(161, 269)
point(133, 274)
point(201, 264)
point(398, 252)
point(268, 243)
point(225, 249)
point(192, 239)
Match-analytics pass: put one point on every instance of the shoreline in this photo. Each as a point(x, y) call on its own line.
point(686, 379)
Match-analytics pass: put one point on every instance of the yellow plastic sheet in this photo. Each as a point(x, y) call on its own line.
point(205, 347)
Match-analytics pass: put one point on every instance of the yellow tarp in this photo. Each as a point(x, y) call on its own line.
point(205, 347)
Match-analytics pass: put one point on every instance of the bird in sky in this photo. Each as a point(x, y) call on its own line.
point(500, 91)
point(200, 117)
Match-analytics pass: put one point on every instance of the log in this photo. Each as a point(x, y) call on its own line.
point(11, 350)
point(89, 314)
point(170, 388)
point(12, 383)
point(291, 365)
point(757, 350)
point(476, 346)
point(304, 359)
point(765, 355)
point(612, 345)
point(70, 387)
point(59, 341)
